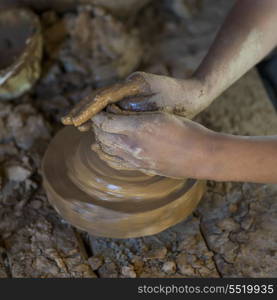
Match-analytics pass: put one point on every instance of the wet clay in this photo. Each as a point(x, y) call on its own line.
point(94, 103)
point(108, 202)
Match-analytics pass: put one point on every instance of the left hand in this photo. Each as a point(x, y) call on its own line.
point(157, 143)
point(143, 92)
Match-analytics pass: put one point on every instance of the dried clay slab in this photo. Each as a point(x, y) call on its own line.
point(106, 202)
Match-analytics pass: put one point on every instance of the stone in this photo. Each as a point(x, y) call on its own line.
point(17, 173)
point(158, 253)
point(45, 265)
point(40, 248)
point(128, 271)
point(108, 270)
point(36, 204)
point(228, 224)
point(183, 266)
point(95, 262)
point(169, 267)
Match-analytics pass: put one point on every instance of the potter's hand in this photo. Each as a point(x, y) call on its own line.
point(247, 35)
point(158, 143)
point(142, 92)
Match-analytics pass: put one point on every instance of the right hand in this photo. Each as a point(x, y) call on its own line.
point(142, 92)
point(156, 143)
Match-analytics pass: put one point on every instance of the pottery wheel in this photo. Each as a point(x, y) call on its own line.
point(106, 202)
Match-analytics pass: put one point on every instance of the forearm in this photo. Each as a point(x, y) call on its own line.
point(248, 159)
point(247, 35)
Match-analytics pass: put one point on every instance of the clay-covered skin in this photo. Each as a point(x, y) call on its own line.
point(157, 142)
point(94, 103)
point(140, 92)
point(176, 147)
point(143, 92)
point(227, 60)
point(245, 38)
point(247, 35)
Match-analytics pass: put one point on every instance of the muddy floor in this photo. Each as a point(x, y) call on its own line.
point(232, 233)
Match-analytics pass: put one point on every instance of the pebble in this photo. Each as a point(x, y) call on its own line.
point(108, 270)
point(95, 262)
point(36, 204)
point(137, 263)
point(157, 253)
point(17, 173)
point(183, 265)
point(46, 265)
point(84, 269)
point(128, 271)
point(247, 222)
point(169, 267)
point(233, 207)
point(228, 224)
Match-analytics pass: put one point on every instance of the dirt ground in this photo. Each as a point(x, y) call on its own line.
point(232, 233)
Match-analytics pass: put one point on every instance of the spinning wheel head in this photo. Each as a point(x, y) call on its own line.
point(106, 202)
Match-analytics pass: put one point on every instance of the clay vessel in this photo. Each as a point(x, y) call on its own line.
point(20, 51)
point(122, 8)
point(107, 202)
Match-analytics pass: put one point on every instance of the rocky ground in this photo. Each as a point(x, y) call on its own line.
point(232, 231)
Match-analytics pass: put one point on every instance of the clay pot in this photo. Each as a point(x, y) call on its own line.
point(122, 8)
point(20, 51)
point(40, 5)
point(107, 202)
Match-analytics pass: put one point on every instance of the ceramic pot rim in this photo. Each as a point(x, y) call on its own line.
point(19, 61)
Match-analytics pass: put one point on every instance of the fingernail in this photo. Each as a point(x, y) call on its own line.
point(66, 120)
point(83, 128)
point(95, 147)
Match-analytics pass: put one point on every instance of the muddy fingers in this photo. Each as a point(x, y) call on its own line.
point(112, 160)
point(93, 104)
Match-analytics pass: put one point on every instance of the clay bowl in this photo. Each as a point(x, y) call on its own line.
point(121, 8)
point(20, 51)
point(106, 202)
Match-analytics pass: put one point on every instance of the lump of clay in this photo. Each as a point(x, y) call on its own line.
point(99, 46)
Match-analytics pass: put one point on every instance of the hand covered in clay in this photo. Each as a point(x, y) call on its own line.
point(141, 92)
point(155, 143)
